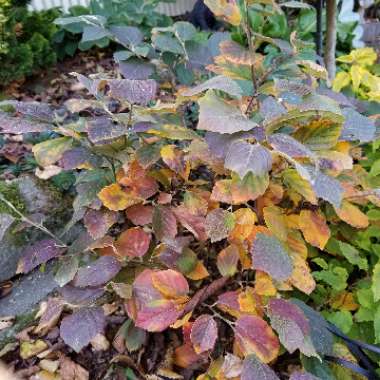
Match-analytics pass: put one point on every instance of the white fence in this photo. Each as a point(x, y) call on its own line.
point(170, 9)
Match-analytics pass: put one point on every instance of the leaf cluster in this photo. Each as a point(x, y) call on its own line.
point(221, 224)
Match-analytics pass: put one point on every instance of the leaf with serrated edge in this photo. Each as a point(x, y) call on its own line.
point(254, 369)
point(204, 333)
point(270, 256)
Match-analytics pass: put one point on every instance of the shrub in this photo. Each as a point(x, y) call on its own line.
point(25, 42)
point(212, 227)
point(360, 74)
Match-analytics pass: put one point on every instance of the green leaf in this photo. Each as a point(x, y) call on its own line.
point(341, 319)
point(377, 324)
point(376, 282)
point(50, 151)
point(353, 255)
point(336, 278)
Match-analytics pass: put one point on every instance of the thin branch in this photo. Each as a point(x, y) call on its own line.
point(252, 51)
point(29, 221)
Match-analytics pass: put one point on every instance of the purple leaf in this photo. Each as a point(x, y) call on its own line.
point(37, 254)
point(18, 126)
point(269, 255)
point(243, 158)
point(103, 130)
point(357, 127)
point(328, 188)
point(254, 369)
point(136, 68)
point(139, 92)
point(80, 296)
point(76, 157)
point(97, 273)
point(288, 145)
point(271, 109)
point(291, 325)
point(303, 376)
point(35, 110)
point(78, 329)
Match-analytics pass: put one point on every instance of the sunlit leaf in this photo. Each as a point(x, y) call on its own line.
point(254, 336)
point(270, 256)
point(204, 333)
point(314, 228)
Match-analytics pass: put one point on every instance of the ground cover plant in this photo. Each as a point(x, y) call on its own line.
point(214, 233)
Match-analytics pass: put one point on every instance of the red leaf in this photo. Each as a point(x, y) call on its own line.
point(164, 223)
point(98, 222)
point(254, 336)
point(140, 215)
point(194, 223)
point(204, 334)
point(133, 243)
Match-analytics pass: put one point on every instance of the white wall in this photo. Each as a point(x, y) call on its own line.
point(170, 9)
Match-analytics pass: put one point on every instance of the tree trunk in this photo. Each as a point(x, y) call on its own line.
point(330, 48)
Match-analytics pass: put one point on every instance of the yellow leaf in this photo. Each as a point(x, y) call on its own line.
point(50, 151)
point(293, 180)
point(222, 8)
point(264, 285)
point(363, 57)
point(248, 301)
point(182, 321)
point(344, 301)
point(275, 221)
point(245, 219)
point(357, 74)
point(314, 228)
point(116, 199)
point(341, 80)
point(301, 277)
point(352, 215)
point(33, 348)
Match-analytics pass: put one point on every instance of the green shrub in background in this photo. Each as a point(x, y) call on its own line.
point(25, 40)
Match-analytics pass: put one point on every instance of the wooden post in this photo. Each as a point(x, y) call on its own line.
point(330, 47)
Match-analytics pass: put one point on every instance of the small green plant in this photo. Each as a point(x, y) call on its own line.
point(25, 42)
point(359, 74)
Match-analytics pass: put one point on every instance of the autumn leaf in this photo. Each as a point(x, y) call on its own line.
point(164, 223)
point(270, 256)
point(219, 223)
point(227, 260)
point(116, 199)
point(50, 151)
point(229, 11)
point(133, 242)
point(204, 333)
point(352, 215)
point(314, 228)
point(254, 369)
point(254, 336)
point(98, 222)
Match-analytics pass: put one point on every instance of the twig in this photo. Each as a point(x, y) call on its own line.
point(252, 58)
point(29, 221)
point(220, 316)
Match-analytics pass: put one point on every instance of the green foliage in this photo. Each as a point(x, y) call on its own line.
point(12, 194)
point(94, 22)
point(25, 42)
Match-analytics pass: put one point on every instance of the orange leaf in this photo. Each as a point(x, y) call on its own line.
point(198, 273)
point(115, 198)
point(314, 228)
point(352, 215)
point(170, 283)
point(133, 243)
point(264, 285)
point(249, 302)
point(245, 220)
point(301, 277)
